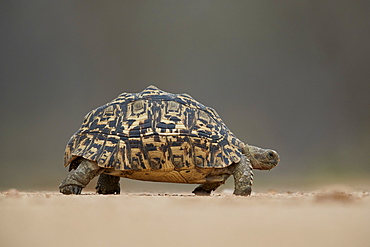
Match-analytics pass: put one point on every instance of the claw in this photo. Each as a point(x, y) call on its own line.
point(77, 190)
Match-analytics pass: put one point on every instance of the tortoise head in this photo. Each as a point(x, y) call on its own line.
point(261, 159)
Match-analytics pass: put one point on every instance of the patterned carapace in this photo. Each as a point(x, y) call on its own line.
point(154, 130)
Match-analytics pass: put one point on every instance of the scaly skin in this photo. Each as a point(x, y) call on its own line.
point(108, 184)
point(260, 158)
point(79, 178)
point(243, 178)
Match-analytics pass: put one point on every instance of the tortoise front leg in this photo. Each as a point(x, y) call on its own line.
point(243, 178)
point(79, 178)
point(206, 189)
point(108, 184)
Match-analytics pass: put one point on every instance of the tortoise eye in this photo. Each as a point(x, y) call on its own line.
point(270, 155)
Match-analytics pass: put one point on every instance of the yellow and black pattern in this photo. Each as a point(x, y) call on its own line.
point(154, 130)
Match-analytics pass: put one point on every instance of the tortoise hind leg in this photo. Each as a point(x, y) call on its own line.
point(206, 189)
point(79, 178)
point(243, 178)
point(108, 184)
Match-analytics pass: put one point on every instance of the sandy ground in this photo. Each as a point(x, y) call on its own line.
point(318, 218)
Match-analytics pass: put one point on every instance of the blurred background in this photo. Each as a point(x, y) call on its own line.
point(288, 75)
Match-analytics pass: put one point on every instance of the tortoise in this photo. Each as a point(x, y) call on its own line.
point(158, 136)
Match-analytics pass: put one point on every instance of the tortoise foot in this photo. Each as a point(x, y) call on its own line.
point(201, 192)
point(70, 190)
point(246, 192)
point(207, 188)
point(108, 185)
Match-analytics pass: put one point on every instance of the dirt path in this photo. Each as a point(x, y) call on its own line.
point(327, 218)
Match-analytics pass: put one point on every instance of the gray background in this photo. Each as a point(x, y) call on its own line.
point(289, 75)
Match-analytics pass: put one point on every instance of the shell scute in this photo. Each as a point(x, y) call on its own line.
point(156, 130)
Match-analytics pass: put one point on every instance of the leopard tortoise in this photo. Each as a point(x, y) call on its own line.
point(158, 136)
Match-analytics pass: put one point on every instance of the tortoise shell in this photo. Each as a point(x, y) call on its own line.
point(154, 130)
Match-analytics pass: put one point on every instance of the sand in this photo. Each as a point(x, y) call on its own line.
point(318, 218)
